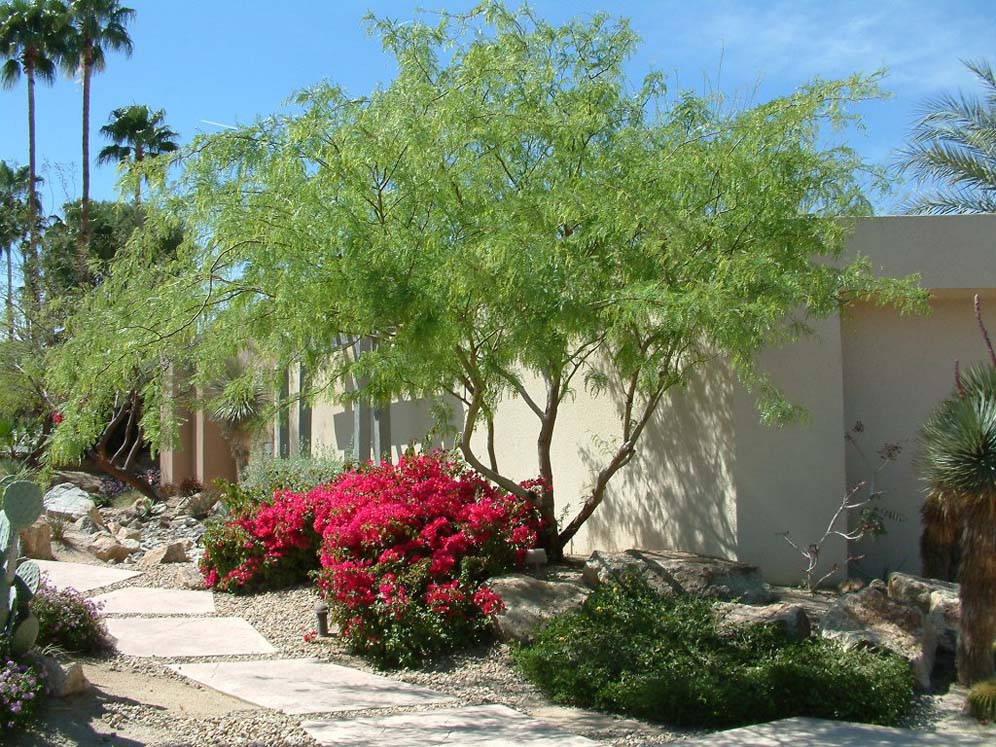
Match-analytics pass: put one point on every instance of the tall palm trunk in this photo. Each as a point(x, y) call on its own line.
point(82, 248)
point(939, 541)
point(10, 291)
point(977, 576)
point(31, 260)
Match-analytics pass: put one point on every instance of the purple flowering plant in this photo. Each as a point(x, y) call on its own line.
point(22, 690)
point(68, 620)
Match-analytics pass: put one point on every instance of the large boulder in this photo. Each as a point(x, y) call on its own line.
point(682, 573)
point(530, 603)
point(938, 600)
point(61, 680)
point(871, 618)
point(36, 540)
point(83, 480)
point(68, 502)
point(791, 619)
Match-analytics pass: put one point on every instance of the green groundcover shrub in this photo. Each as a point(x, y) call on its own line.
point(265, 475)
point(630, 651)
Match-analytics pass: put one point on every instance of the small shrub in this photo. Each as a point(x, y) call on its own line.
point(982, 700)
point(265, 476)
point(22, 690)
point(629, 651)
point(68, 620)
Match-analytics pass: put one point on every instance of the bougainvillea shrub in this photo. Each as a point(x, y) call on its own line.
point(405, 552)
point(402, 552)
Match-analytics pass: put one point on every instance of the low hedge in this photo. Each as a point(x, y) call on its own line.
point(629, 651)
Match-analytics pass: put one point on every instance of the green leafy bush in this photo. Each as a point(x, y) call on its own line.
point(630, 651)
point(68, 620)
point(265, 474)
point(982, 700)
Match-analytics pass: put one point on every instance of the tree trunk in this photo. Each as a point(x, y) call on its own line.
point(83, 242)
point(127, 478)
point(546, 501)
point(977, 576)
point(31, 259)
point(939, 540)
point(10, 291)
point(139, 157)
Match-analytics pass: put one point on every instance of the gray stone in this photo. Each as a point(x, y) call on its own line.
point(36, 540)
point(472, 726)
point(127, 533)
point(107, 548)
point(82, 480)
point(682, 573)
point(186, 636)
point(870, 617)
point(199, 505)
point(68, 502)
point(188, 577)
point(791, 619)
point(530, 603)
point(82, 576)
point(299, 686)
point(171, 553)
point(905, 587)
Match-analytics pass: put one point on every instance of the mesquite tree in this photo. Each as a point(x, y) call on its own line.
point(509, 207)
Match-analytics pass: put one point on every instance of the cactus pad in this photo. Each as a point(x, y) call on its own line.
point(22, 502)
point(25, 635)
point(30, 574)
point(5, 534)
point(4, 482)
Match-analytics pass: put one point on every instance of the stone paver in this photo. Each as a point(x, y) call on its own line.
point(82, 576)
point(136, 600)
point(475, 726)
point(299, 686)
point(812, 732)
point(177, 636)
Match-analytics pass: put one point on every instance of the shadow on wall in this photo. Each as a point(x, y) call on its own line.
point(411, 421)
point(678, 493)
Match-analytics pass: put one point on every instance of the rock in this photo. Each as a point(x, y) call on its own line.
point(83, 480)
point(188, 577)
point(62, 681)
point(870, 617)
point(790, 618)
point(131, 545)
point(106, 548)
point(68, 502)
point(36, 540)
point(938, 599)
point(171, 553)
point(682, 573)
point(530, 603)
point(127, 533)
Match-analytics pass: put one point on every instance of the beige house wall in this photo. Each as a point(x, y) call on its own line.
point(709, 477)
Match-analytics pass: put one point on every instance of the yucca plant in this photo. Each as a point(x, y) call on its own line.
point(236, 401)
point(958, 462)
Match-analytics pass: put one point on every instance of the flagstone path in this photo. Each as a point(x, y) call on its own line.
point(178, 624)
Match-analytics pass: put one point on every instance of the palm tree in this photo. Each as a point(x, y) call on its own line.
point(954, 144)
point(958, 461)
point(14, 183)
point(32, 38)
point(98, 26)
point(138, 133)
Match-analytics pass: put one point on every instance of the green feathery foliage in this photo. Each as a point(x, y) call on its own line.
point(509, 209)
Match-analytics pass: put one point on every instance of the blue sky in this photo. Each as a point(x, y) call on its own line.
point(229, 61)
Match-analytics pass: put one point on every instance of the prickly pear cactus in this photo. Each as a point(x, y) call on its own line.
point(19, 580)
